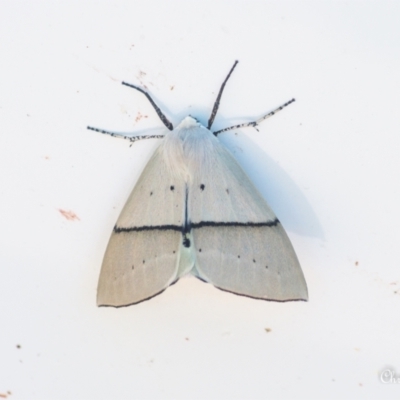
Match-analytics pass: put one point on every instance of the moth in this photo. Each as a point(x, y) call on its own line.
point(195, 211)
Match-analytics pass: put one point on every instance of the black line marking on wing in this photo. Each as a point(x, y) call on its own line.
point(189, 226)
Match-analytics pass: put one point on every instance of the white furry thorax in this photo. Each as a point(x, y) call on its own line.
point(189, 149)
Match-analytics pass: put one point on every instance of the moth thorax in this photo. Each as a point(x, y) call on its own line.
point(174, 159)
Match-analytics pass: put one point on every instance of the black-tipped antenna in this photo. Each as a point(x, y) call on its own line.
point(257, 122)
point(216, 104)
point(163, 118)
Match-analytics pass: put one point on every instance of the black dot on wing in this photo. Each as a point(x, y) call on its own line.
point(133, 267)
point(254, 260)
point(266, 267)
point(238, 256)
point(202, 186)
point(151, 193)
point(199, 250)
point(172, 187)
point(144, 261)
point(227, 191)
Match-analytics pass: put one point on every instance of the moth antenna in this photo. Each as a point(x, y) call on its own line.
point(254, 124)
point(217, 101)
point(163, 118)
point(119, 135)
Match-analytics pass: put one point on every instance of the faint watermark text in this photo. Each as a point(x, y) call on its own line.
point(389, 375)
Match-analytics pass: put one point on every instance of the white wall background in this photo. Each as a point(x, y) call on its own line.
point(328, 165)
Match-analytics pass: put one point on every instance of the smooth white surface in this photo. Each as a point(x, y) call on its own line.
point(328, 166)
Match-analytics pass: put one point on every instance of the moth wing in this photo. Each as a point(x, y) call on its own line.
point(143, 254)
point(240, 245)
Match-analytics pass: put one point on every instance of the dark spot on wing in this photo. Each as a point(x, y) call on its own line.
point(186, 242)
point(144, 261)
point(172, 188)
point(238, 256)
point(202, 187)
point(227, 191)
point(254, 260)
point(151, 193)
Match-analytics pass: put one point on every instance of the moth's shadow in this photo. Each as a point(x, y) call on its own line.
point(278, 188)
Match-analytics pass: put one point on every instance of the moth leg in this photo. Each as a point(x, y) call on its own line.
point(163, 118)
point(217, 101)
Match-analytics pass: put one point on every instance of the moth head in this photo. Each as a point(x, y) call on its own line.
point(188, 122)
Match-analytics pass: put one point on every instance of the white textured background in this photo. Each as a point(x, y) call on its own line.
point(328, 165)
